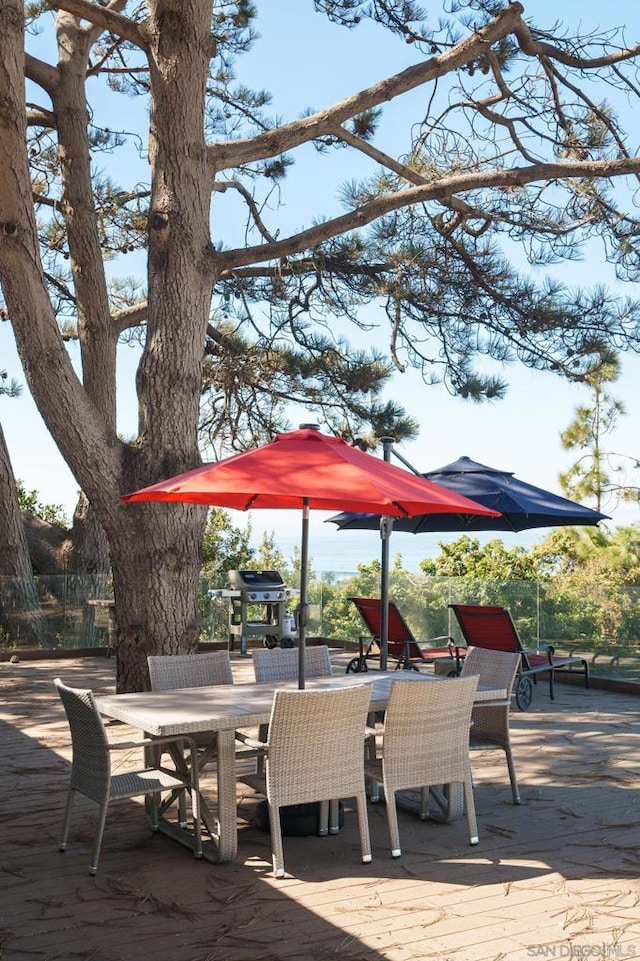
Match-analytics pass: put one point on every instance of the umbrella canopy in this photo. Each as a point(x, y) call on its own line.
point(521, 506)
point(308, 470)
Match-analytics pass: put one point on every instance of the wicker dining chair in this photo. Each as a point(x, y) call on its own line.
point(170, 671)
point(315, 752)
point(425, 742)
point(281, 664)
point(490, 722)
point(91, 770)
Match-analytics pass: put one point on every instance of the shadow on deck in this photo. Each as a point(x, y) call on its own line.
point(561, 870)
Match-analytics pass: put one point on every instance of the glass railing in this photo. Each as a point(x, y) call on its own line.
point(605, 625)
point(52, 612)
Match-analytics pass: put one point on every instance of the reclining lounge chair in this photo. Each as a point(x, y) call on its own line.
point(403, 649)
point(493, 628)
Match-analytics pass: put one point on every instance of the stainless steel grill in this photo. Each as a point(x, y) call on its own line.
point(259, 586)
point(258, 602)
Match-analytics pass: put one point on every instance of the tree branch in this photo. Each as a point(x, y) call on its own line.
point(40, 72)
point(306, 265)
point(435, 190)
point(39, 117)
point(411, 176)
point(539, 48)
point(132, 316)
point(104, 18)
point(324, 123)
point(221, 185)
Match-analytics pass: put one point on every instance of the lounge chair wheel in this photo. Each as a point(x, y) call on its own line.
point(357, 665)
point(524, 693)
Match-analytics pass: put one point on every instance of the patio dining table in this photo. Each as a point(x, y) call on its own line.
point(220, 711)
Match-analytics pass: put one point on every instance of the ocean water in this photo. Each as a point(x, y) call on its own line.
point(335, 551)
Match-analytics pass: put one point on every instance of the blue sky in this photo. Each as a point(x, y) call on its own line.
point(520, 433)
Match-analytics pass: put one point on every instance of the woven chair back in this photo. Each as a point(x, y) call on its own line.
point(91, 765)
point(426, 731)
point(316, 745)
point(281, 664)
point(494, 668)
point(168, 672)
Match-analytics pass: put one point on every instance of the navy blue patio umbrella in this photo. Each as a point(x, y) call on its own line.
point(522, 506)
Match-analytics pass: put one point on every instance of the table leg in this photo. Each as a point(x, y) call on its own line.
point(222, 844)
point(448, 802)
point(227, 810)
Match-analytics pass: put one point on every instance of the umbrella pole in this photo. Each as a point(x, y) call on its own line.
point(386, 526)
point(303, 606)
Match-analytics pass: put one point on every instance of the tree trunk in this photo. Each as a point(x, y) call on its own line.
point(46, 542)
point(87, 565)
point(155, 551)
point(19, 603)
point(156, 575)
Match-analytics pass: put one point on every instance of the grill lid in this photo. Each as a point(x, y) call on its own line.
point(254, 580)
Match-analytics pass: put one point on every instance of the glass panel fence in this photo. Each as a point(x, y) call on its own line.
point(52, 612)
point(55, 613)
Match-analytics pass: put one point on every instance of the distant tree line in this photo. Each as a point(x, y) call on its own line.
point(575, 584)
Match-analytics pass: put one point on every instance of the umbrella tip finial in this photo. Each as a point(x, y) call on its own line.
point(308, 427)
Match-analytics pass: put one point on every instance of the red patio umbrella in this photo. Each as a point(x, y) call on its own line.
point(309, 470)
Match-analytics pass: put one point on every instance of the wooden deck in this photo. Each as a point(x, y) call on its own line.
point(557, 877)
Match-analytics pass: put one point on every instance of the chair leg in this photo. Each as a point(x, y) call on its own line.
point(515, 792)
point(374, 791)
point(372, 784)
point(392, 820)
point(324, 819)
point(363, 825)
point(424, 803)
point(102, 817)
point(66, 821)
point(370, 749)
point(276, 841)
point(471, 811)
point(334, 817)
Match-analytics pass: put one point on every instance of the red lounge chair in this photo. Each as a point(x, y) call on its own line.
point(402, 649)
point(493, 628)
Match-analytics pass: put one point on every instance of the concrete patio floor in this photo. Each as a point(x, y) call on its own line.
point(556, 877)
